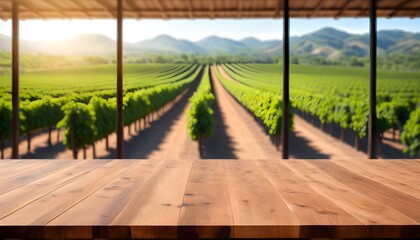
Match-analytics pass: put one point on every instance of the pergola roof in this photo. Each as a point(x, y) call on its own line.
point(191, 9)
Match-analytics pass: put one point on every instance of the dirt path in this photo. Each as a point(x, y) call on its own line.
point(236, 136)
point(309, 142)
point(306, 141)
point(165, 137)
point(246, 138)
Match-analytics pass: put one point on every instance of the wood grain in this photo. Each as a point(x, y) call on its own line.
point(48, 207)
point(17, 180)
point(367, 210)
point(256, 202)
point(389, 178)
point(395, 199)
point(309, 206)
point(206, 210)
point(157, 204)
point(105, 204)
point(22, 166)
point(19, 197)
point(210, 198)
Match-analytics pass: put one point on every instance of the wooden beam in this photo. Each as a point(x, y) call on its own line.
point(239, 8)
point(82, 8)
point(120, 113)
point(317, 7)
point(15, 80)
point(161, 8)
point(363, 11)
point(107, 7)
point(277, 14)
point(286, 52)
point(415, 14)
point(372, 134)
point(204, 13)
point(57, 7)
point(132, 6)
point(398, 7)
point(190, 9)
point(343, 8)
point(211, 6)
point(31, 8)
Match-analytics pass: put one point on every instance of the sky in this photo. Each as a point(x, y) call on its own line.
point(137, 30)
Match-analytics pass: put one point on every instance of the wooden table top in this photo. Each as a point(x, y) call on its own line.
point(209, 198)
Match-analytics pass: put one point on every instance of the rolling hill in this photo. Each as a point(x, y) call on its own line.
point(327, 42)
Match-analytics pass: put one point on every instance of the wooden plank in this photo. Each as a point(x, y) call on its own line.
point(21, 178)
point(6, 165)
point(48, 207)
point(104, 205)
point(20, 166)
point(19, 197)
point(206, 211)
point(258, 209)
point(397, 200)
point(371, 212)
point(157, 205)
point(403, 165)
point(310, 208)
point(409, 173)
point(389, 178)
point(178, 163)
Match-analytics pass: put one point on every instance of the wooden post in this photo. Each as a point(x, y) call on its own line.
point(15, 79)
point(120, 113)
point(372, 90)
point(49, 135)
point(285, 117)
point(73, 137)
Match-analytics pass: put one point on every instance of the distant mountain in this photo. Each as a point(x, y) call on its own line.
point(215, 45)
point(327, 42)
point(167, 44)
point(334, 44)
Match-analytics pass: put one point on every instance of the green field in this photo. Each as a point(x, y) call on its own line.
point(340, 95)
point(95, 79)
point(83, 100)
point(333, 94)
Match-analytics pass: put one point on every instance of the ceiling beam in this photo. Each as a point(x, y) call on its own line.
point(132, 6)
point(31, 8)
point(415, 14)
point(108, 7)
point(344, 8)
point(362, 12)
point(277, 13)
point(317, 7)
point(398, 8)
point(161, 9)
point(82, 7)
point(211, 6)
point(54, 5)
point(190, 9)
point(239, 7)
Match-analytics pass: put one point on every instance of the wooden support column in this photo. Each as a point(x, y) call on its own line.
point(286, 52)
point(120, 113)
point(372, 134)
point(15, 79)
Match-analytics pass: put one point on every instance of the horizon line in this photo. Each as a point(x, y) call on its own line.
point(213, 35)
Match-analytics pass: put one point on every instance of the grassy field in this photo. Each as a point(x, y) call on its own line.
point(268, 76)
point(340, 95)
point(325, 78)
point(93, 78)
